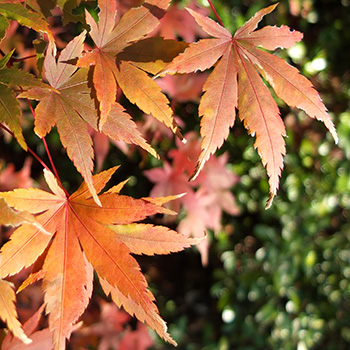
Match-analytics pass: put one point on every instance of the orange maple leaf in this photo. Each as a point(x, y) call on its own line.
point(85, 236)
point(69, 104)
point(114, 68)
point(235, 83)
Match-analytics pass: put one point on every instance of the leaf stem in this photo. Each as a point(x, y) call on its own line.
point(38, 158)
point(17, 59)
point(216, 13)
point(29, 149)
point(47, 151)
point(53, 167)
point(21, 59)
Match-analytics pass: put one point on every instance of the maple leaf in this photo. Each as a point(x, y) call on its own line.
point(84, 236)
point(114, 332)
point(39, 339)
point(10, 178)
point(136, 340)
point(4, 25)
point(152, 54)
point(10, 111)
point(10, 217)
point(111, 71)
point(206, 197)
point(178, 22)
point(67, 102)
point(20, 13)
point(235, 83)
point(8, 311)
point(46, 9)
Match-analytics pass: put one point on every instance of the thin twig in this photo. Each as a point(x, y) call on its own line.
point(29, 149)
point(215, 13)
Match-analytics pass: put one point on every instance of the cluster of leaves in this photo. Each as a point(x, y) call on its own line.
point(65, 237)
point(206, 197)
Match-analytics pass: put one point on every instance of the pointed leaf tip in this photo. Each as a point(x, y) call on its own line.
point(334, 134)
point(179, 135)
point(269, 201)
point(53, 184)
point(196, 171)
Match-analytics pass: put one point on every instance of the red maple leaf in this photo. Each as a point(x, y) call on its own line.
point(205, 198)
